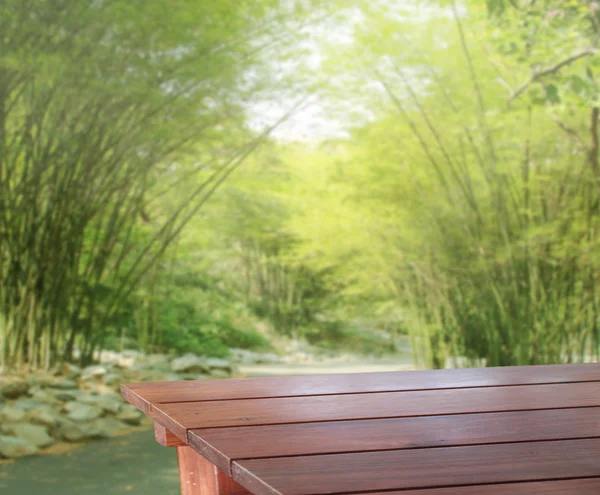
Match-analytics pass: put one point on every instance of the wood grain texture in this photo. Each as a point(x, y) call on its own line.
point(420, 468)
point(186, 416)
point(143, 394)
point(165, 437)
point(589, 486)
point(200, 477)
point(224, 445)
point(128, 393)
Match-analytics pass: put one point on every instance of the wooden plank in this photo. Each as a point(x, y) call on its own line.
point(186, 416)
point(586, 486)
point(199, 477)
point(128, 392)
point(165, 437)
point(142, 395)
point(420, 468)
point(224, 445)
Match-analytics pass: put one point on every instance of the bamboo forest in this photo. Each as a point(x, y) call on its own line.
point(197, 176)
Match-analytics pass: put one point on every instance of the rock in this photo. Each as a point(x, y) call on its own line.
point(130, 415)
point(70, 370)
point(152, 375)
point(156, 360)
point(15, 447)
point(111, 403)
point(36, 435)
point(219, 373)
point(82, 412)
point(40, 379)
point(104, 428)
point(267, 358)
point(68, 395)
point(44, 417)
point(189, 363)
point(242, 356)
point(64, 384)
point(44, 396)
point(107, 357)
point(93, 372)
point(27, 404)
point(132, 353)
point(10, 414)
point(14, 388)
point(223, 370)
point(112, 379)
point(99, 428)
point(102, 389)
point(219, 364)
point(74, 432)
point(191, 376)
point(128, 359)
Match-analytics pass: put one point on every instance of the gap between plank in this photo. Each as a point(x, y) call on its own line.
point(441, 487)
point(163, 416)
point(433, 447)
point(371, 392)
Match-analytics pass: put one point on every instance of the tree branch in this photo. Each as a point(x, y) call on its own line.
point(568, 130)
point(553, 69)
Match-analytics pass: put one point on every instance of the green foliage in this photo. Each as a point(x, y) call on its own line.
point(186, 313)
point(462, 207)
point(107, 109)
point(479, 180)
point(342, 336)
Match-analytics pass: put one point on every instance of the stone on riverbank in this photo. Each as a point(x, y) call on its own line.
point(130, 415)
point(217, 373)
point(110, 403)
point(76, 405)
point(106, 428)
point(12, 447)
point(93, 373)
point(10, 414)
point(74, 432)
point(14, 388)
point(43, 416)
point(82, 412)
point(28, 404)
point(71, 371)
point(64, 384)
point(190, 363)
point(36, 435)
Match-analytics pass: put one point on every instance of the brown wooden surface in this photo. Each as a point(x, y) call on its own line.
point(494, 431)
point(185, 416)
point(165, 438)
point(590, 486)
point(420, 468)
point(224, 445)
point(200, 477)
point(142, 395)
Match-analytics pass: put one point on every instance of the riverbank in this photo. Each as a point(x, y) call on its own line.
point(134, 464)
point(44, 413)
point(41, 412)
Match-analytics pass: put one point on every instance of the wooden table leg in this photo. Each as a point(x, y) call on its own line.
point(165, 437)
point(199, 476)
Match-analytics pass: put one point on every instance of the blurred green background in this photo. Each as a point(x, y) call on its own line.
point(204, 189)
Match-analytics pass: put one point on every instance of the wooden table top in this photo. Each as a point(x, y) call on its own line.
point(531, 430)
